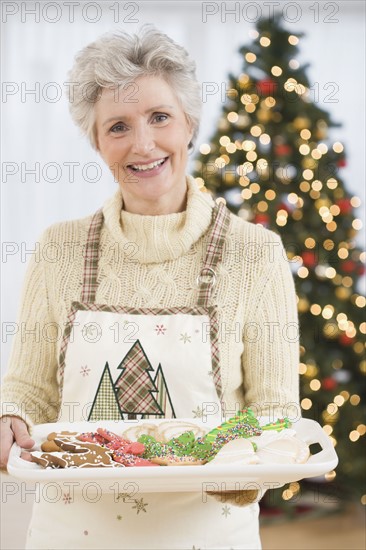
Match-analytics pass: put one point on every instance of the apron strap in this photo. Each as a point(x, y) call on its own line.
point(90, 285)
point(207, 277)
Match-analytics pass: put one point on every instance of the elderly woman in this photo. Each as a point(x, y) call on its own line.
point(163, 314)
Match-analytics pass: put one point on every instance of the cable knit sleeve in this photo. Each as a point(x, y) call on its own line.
point(271, 339)
point(30, 388)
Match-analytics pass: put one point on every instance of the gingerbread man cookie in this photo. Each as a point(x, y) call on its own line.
point(78, 455)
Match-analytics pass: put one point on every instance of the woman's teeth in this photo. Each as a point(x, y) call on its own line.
point(143, 167)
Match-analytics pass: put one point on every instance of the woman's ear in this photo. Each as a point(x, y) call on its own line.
point(190, 134)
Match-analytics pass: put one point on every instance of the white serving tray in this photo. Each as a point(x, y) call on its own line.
point(178, 478)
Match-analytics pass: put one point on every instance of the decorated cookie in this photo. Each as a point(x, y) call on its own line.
point(137, 430)
point(79, 455)
point(128, 459)
point(51, 436)
point(112, 440)
point(286, 450)
point(46, 460)
point(236, 452)
point(91, 437)
point(208, 446)
point(173, 460)
point(50, 446)
point(175, 443)
point(243, 425)
point(170, 429)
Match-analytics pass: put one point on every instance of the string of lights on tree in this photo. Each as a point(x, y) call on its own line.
point(272, 161)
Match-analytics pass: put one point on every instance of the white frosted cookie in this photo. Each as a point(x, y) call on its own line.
point(173, 428)
point(238, 451)
point(288, 450)
point(136, 430)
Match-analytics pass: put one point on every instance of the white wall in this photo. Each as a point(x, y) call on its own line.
point(36, 53)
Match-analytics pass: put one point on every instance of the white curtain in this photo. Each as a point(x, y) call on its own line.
point(39, 41)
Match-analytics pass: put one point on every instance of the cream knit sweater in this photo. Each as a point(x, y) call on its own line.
point(154, 261)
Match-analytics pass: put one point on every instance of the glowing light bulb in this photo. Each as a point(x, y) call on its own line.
point(250, 57)
point(256, 131)
point(231, 148)
point(293, 40)
point(354, 435)
point(205, 149)
point(293, 64)
point(232, 116)
point(315, 384)
point(305, 134)
point(303, 272)
point(276, 70)
point(332, 183)
point(323, 148)
point(308, 174)
point(265, 139)
point(338, 147)
point(304, 149)
point(355, 202)
point(224, 140)
point(315, 309)
point(270, 194)
point(264, 41)
point(306, 404)
point(357, 224)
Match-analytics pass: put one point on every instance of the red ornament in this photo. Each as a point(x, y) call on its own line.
point(266, 87)
point(346, 340)
point(341, 163)
point(309, 259)
point(261, 218)
point(283, 206)
point(283, 150)
point(344, 205)
point(348, 266)
point(329, 384)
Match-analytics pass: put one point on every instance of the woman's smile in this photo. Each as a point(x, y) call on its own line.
point(148, 168)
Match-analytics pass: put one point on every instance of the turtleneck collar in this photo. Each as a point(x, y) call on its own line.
point(163, 237)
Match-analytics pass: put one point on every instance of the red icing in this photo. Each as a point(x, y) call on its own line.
point(117, 448)
point(135, 448)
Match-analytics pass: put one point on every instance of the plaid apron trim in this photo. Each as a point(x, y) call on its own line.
point(90, 285)
point(213, 254)
point(210, 311)
point(65, 342)
point(142, 310)
point(221, 221)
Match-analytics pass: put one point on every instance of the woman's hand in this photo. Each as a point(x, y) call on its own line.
point(12, 429)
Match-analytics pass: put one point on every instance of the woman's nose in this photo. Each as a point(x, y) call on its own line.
point(142, 140)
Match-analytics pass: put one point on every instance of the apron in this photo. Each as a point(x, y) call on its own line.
point(121, 363)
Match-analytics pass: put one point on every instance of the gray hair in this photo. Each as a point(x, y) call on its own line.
point(117, 58)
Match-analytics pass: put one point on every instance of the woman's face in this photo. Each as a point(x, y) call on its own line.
point(143, 136)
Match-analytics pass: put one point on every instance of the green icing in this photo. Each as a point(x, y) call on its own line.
point(244, 424)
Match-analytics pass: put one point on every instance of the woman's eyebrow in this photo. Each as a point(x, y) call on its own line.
point(126, 117)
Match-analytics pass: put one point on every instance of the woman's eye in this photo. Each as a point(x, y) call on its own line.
point(160, 117)
point(118, 128)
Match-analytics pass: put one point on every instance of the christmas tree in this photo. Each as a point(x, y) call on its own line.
point(105, 405)
point(272, 160)
point(134, 386)
point(163, 398)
